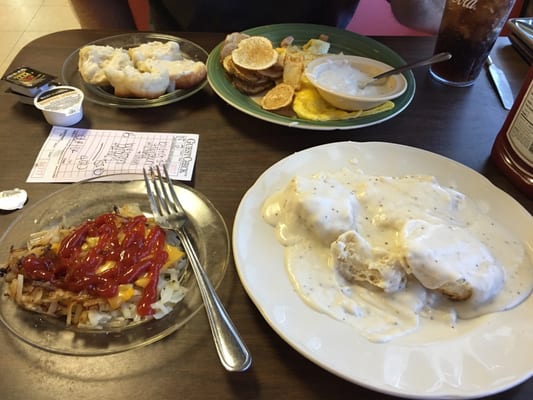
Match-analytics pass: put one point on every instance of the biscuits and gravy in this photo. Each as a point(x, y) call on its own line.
point(385, 253)
point(145, 71)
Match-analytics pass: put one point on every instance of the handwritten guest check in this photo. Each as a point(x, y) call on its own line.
point(72, 154)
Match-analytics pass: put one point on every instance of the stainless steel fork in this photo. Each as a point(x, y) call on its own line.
point(169, 214)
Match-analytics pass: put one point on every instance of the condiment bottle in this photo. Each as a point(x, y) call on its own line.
point(512, 151)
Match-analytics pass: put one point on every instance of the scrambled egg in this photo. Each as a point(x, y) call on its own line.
point(308, 104)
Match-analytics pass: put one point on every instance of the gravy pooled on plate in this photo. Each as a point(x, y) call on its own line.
point(381, 252)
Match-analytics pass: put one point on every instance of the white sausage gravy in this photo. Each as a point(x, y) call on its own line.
point(382, 252)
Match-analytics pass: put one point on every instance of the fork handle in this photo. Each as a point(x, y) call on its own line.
point(231, 349)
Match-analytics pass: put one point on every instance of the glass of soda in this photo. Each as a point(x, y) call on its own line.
point(468, 30)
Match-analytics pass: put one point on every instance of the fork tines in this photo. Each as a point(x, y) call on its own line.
point(165, 200)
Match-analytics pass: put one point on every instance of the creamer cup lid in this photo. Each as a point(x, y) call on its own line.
point(61, 105)
point(13, 199)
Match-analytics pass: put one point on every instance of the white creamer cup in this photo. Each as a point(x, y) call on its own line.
point(61, 105)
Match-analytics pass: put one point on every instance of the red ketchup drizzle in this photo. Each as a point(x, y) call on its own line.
point(130, 243)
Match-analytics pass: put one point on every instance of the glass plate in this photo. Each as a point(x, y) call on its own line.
point(482, 356)
point(104, 96)
point(341, 41)
point(73, 205)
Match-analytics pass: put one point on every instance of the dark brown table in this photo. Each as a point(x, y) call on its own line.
point(234, 150)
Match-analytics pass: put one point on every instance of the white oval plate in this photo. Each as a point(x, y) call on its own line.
point(484, 356)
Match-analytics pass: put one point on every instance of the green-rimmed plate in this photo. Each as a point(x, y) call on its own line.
point(341, 42)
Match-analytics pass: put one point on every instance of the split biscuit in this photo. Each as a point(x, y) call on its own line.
point(255, 53)
point(278, 97)
point(155, 50)
point(130, 82)
point(94, 58)
point(183, 74)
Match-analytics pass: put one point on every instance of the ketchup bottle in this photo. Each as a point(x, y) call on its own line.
point(512, 151)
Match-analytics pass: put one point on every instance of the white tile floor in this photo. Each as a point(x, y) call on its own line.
point(21, 21)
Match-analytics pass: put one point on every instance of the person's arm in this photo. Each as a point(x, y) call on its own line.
point(423, 15)
point(103, 14)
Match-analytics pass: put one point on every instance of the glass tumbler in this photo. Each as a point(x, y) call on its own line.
point(468, 31)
